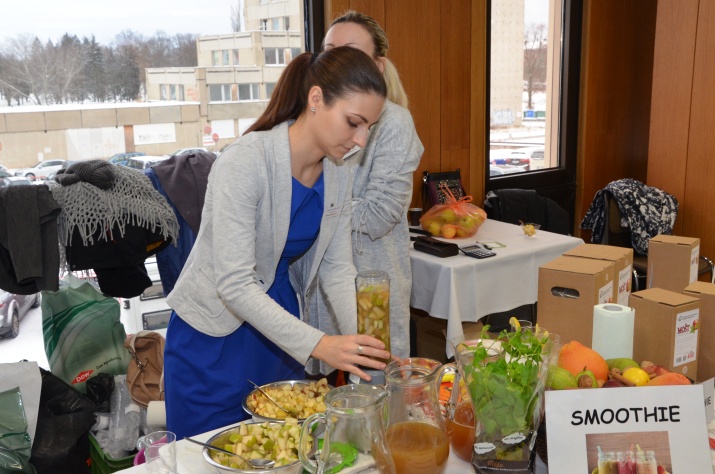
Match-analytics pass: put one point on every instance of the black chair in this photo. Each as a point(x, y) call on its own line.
point(516, 206)
point(619, 236)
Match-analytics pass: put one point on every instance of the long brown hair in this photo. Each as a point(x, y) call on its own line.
point(395, 90)
point(337, 72)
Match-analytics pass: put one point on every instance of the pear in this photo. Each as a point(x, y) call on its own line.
point(621, 363)
point(586, 379)
point(559, 378)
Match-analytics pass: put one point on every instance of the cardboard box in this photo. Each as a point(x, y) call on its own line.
point(705, 292)
point(672, 262)
point(569, 288)
point(666, 329)
point(622, 257)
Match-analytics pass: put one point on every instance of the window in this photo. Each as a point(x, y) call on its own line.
point(235, 57)
point(275, 56)
point(225, 55)
point(177, 91)
point(215, 56)
point(269, 89)
point(286, 23)
point(264, 24)
point(523, 43)
point(534, 61)
point(248, 92)
point(220, 92)
point(164, 91)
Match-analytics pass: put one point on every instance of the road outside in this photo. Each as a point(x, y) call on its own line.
point(29, 344)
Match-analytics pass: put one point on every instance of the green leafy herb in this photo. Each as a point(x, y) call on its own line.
point(505, 387)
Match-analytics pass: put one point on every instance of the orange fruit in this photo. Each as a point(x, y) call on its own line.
point(575, 357)
point(671, 378)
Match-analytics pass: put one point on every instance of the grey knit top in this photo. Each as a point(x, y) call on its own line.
point(382, 192)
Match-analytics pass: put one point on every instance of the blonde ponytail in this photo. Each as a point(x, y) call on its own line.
point(395, 90)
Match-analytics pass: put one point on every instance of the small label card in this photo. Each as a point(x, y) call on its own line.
point(656, 429)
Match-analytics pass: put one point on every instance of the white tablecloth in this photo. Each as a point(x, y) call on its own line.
point(466, 289)
point(191, 461)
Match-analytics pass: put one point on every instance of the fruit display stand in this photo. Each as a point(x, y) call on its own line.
point(104, 464)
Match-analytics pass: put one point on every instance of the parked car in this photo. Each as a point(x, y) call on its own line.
point(12, 309)
point(122, 158)
point(3, 168)
point(525, 157)
point(14, 181)
point(40, 170)
point(144, 162)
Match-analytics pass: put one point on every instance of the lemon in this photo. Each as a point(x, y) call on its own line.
point(513, 322)
point(637, 375)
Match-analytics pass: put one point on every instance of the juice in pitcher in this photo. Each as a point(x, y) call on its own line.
point(418, 448)
point(460, 430)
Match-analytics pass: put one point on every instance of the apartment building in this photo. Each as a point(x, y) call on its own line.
point(236, 72)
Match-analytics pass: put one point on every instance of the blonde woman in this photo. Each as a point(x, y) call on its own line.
point(382, 187)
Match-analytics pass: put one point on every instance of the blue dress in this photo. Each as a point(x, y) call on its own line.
point(205, 376)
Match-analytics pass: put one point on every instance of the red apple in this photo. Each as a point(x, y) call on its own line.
point(652, 369)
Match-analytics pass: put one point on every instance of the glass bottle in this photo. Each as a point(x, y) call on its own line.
point(373, 305)
point(607, 463)
point(646, 463)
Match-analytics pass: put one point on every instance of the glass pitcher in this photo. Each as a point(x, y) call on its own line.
point(353, 434)
point(416, 432)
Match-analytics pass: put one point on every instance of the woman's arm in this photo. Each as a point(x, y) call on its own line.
point(392, 155)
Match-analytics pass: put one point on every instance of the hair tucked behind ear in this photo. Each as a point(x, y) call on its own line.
point(395, 90)
point(338, 72)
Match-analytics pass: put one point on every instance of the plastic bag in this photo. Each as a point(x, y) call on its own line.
point(82, 333)
point(15, 444)
point(453, 219)
point(61, 444)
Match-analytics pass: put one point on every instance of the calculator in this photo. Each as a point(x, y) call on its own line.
point(477, 251)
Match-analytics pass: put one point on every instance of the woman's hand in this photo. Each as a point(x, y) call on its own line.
point(348, 352)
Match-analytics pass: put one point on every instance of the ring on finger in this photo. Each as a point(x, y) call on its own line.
point(360, 349)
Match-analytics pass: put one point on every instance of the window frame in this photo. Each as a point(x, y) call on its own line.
point(567, 144)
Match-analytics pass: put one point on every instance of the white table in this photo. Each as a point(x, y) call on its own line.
point(191, 461)
point(466, 289)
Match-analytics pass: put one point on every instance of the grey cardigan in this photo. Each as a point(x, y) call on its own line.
point(382, 192)
point(244, 227)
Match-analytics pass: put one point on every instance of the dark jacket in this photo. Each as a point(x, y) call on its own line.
point(29, 250)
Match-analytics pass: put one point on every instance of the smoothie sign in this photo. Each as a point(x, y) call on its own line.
point(645, 429)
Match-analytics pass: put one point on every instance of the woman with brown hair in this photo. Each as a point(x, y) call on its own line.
point(275, 232)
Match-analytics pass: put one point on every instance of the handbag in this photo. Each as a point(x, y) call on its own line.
point(436, 247)
point(432, 193)
point(145, 373)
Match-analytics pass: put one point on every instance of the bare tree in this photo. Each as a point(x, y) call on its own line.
point(237, 22)
point(535, 42)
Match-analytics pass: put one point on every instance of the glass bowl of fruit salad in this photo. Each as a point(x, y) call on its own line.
point(530, 229)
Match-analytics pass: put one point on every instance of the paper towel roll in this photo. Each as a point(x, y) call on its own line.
point(613, 330)
point(156, 415)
